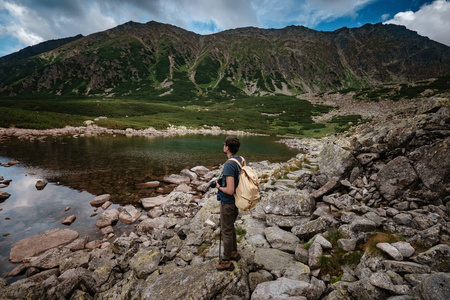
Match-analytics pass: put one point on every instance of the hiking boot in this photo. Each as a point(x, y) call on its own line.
point(225, 265)
point(235, 256)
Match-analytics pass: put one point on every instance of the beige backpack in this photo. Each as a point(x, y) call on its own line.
point(247, 191)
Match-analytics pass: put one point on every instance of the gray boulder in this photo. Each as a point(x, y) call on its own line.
point(394, 178)
point(73, 278)
point(405, 267)
point(434, 167)
point(315, 251)
point(437, 257)
point(281, 239)
point(191, 281)
point(74, 260)
point(390, 250)
point(288, 203)
point(145, 262)
point(311, 228)
point(364, 290)
point(405, 249)
point(47, 260)
point(336, 161)
point(274, 259)
point(282, 288)
point(434, 287)
point(360, 224)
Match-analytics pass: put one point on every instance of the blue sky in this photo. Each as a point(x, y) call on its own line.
point(28, 22)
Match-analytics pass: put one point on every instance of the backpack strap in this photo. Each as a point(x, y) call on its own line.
point(239, 164)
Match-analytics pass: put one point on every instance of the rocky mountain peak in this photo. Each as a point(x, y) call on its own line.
point(237, 62)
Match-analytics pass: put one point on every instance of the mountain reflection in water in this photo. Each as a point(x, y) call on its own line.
point(115, 165)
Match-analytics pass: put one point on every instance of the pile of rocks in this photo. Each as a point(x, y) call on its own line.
point(371, 223)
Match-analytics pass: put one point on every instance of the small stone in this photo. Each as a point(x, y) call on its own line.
point(107, 230)
point(148, 185)
point(106, 205)
point(403, 219)
point(391, 212)
point(404, 248)
point(381, 280)
point(314, 254)
point(100, 200)
point(301, 254)
point(362, 225)
point(347, 244)
point(4, 195)
point(69, 220)
point(94, 244)
point(391, 250)
point(330, 186)
point(405, 267)
point(40, 184)
point(323, 242)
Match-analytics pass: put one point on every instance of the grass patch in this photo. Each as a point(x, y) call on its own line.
point(332, 260)
point(21, 118)
point(273, 115)
point(240, 232)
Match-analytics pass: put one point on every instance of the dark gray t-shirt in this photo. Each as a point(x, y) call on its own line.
point(230, 168)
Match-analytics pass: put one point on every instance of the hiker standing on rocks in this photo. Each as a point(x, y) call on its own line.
point(226, 186)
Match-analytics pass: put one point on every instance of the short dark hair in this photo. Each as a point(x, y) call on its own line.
point(233, 144)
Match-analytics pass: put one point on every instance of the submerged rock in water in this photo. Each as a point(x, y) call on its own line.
point(100, 200)
point(40, 184)
point(69, 220)
point(4, 195)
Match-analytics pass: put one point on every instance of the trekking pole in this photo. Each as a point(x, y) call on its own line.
point(220, 235)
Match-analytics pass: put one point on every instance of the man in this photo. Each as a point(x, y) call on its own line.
point(228, 210)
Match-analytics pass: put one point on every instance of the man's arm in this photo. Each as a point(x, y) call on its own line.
point(229, 189)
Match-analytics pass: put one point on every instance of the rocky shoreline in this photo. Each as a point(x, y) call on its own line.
point(92, 130)
point(361, 215)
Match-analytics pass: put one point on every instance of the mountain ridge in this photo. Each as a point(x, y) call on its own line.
point(169, 62)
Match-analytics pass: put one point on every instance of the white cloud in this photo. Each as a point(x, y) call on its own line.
point(431, 20)
point(385, 17)
point(23, 21)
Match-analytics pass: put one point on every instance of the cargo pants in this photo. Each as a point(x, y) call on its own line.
point(228, 215)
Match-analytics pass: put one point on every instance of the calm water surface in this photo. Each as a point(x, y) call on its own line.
point(79, 169)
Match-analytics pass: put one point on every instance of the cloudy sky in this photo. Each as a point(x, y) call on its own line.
point(28, 22)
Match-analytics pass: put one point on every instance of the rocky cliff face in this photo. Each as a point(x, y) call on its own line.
point(361, 215)
point(154, 59)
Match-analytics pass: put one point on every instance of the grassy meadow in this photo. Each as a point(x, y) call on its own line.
point(273, 115)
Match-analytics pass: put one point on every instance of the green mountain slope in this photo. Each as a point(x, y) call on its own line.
point(164, 62)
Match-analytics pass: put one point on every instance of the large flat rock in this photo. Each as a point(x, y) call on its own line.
point(33, 245)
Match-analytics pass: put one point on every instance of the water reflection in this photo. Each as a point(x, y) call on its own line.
point(116, 164)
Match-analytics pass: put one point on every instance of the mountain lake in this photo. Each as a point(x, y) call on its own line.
point(78, 169)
